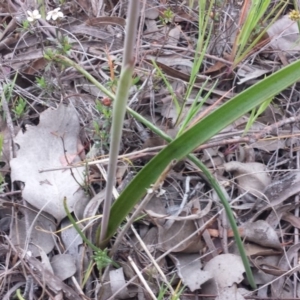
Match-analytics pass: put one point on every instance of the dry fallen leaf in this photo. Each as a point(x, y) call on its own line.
point(63, 266)
point(180, 230)
point(43, 147)
point(252, 177)
point(261, 233)
point(189, 270)
point(117, 281)
point(284, 35)
point(37, 236)
point(226, 271)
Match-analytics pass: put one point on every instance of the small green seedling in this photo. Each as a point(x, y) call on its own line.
point(25, 24)
point(167, 16)
point(19, 109)
point(41, 82)
point(64, 46)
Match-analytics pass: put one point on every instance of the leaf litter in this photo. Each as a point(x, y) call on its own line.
point(185, 223)
point(52, 143)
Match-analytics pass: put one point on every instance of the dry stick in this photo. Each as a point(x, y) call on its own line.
point(296, 230)
point(247, 140)
point(29, 268)
point(142, 279)
point(105, 160)
point(8, 120)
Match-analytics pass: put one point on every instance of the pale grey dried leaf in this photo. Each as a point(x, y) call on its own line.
point(284, 35)
point(93, 205)
point(45, 261)
point(196, 216)
point(151, 13)
point(255, 250)
point(269, 144)
point(117, 281)
point(150, 239)
point(231, 293)
point(261, 233)
point(173, 61)
point(279, 288)
point(260, 276)
point(74, 246)
point(226, 269)
point(50, 280)
point(70, 238)
point(63, 266)
point(174, 35)
point(292, 219)
point(280, 190)
point(252, 177)
point(189, 270)
point(41, 147)
point(248, 72)
point(37, 236)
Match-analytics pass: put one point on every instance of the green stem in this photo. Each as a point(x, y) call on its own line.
point(20, 297)
point(79, 231)
point(230, 216)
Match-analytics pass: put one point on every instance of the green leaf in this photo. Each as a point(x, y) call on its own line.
point(197, 135)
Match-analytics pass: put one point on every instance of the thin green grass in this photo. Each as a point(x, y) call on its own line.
point(254, 27)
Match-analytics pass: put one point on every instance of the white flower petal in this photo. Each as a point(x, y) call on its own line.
point(55, 14)
point(48, 17)
point(33, 15)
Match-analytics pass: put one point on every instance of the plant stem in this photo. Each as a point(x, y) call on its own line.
point(119, 109)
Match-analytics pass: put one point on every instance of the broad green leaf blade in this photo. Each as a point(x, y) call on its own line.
point(197, 135)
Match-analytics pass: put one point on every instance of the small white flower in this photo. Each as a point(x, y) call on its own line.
point(150, 190)
point(159, 191)
point(54, 14)
point(33, 15)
